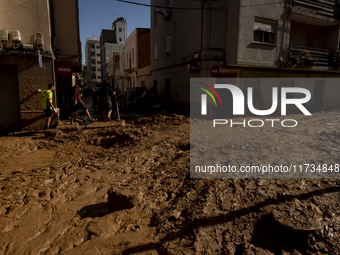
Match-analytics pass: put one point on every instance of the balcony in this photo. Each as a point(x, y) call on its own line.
point(327, 9)
point(299, 55)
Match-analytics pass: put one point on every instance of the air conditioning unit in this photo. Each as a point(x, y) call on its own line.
point(28, 46)
point(16, 36)
point(39, 40)
point(14, 39)
point(166, 14)
point(3, 35)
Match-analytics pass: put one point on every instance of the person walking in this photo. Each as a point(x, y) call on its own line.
point(48, 106)
point(94, 99)
point(105, 104)
point(78, 104)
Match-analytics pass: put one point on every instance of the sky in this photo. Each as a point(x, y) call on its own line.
point(97, 15)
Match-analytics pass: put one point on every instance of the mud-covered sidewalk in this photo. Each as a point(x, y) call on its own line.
point(53, 194)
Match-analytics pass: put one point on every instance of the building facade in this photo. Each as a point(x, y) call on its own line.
point(42, 46)
point(242, 38)
point(93, 62)
point(108, 50)
point(120, 26)
point(112, 41)
point(112, 68)
point(136, 64)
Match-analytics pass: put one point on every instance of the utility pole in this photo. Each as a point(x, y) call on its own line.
point(202, 9)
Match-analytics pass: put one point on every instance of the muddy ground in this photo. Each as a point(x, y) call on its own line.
point(53, 193)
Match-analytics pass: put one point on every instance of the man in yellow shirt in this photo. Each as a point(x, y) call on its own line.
point(47, 105)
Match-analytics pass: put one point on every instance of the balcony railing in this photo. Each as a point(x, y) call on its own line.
point(313, 57)
point(328, 8)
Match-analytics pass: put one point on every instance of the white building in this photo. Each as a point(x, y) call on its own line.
point(93, 61)
point(112, 41)
point(112, 67)
point(120, 26)
point(242, 38)
point(134, 70)
point(108, 50)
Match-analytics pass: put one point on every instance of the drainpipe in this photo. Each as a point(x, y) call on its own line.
point(48, 3)
point(174, 22)
point(202, 2)
point(54, 80)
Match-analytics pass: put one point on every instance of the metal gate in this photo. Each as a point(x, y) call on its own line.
point(9, 99)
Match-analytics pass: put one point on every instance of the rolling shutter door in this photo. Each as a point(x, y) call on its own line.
point(9, 99)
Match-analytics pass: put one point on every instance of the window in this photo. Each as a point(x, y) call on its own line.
point(168, 45)
point(167, 92)
point(155, 52)
point(120, 39)
point(98, 47)
point(98, 54)
point(99, 69)
point(265, 31)
point(120, 29)
point(133, 56)
point(98, 62)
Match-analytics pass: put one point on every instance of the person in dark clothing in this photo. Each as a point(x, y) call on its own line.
point(94, 99)
point(104, 99)
point(78, 104)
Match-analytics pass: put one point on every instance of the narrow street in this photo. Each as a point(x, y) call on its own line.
point(227, 140)
point(54, 195)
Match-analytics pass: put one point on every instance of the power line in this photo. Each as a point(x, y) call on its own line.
point(251, 5)
point(200, 8)
point(15, 7)
point(159, 6)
